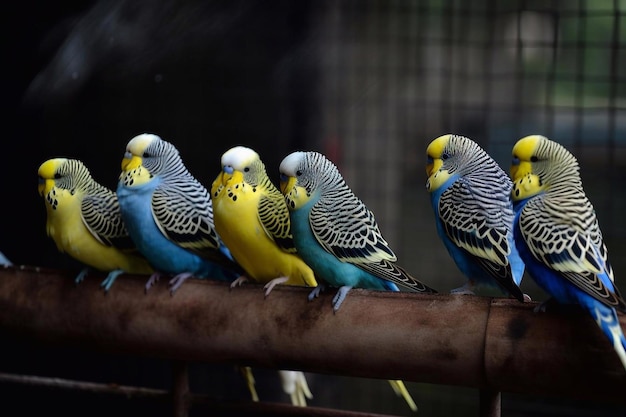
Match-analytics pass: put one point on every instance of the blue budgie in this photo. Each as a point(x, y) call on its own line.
point(169, 214)
point(471, 198)
point(335, 233)
point(558, 235)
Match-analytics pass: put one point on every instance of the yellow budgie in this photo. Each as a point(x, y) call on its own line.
point(251, 216)
point(84, 220)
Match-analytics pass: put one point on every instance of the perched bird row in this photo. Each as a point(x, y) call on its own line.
point(316, 232)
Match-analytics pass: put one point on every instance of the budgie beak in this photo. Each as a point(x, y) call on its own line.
point(229, 174)
point(287, 184)
point(44, 186)
point(433, 166)
point(131, 163)
point(519, 169)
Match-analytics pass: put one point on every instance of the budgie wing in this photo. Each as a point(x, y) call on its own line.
point(349, 231)
point(476, 222)
point(575, 251)
point(273, 215)
point(101, 215)
point(184, 214)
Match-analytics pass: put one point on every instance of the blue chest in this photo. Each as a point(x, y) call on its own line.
point(325, 265)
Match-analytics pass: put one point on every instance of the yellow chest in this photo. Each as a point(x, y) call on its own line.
point(65, 226)
point(235, 211)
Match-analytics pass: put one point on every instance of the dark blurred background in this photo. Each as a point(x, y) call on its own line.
point(369, 83)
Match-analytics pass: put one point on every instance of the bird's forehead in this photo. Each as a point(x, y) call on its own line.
point(526, 146)
point(436, 147)
point(239, 156)
point(290, 163)
point(140, 142)
point(50, 167)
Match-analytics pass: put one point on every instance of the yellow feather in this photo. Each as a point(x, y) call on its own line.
point(235, 211)
point(65, 226)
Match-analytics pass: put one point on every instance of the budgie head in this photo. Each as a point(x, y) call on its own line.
point(305, 174)
point(61, 177)
point(241, 164)
point(451, 155)
point(539, 165)
point(148, 156)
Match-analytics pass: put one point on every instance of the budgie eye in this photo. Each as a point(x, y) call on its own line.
point(445, 156)
point(533, 158)
point(146, 155)
point(246, 169)
point(298, 173)
point(57, 176)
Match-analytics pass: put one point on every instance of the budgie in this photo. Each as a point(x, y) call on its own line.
point(168, 214)
point(558, 235)
point(337, 235)
point(471, 199)
point(252, 218)
point(84, 220)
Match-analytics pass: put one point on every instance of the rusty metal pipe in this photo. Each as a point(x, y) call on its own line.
point(470, 341)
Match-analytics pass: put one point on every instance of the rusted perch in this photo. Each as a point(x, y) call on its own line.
point(480, 342)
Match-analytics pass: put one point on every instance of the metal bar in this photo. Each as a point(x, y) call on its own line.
point(180, 391)
point(480, 342)
point(199, 401)
point(490, 403)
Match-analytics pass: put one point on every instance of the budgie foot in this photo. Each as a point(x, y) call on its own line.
point(270, 285)
point(463, 290)
point(110, 279)
point(545, 305)
point(340, 296)
point(154, 278)
point(178, 280)
point(400, 389)
point(239, 281)
point(316, 291)
point(527, 298)
point(246, 371)
point(81, 275)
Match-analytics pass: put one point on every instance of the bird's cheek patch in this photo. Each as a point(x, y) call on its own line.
point(437, 179)
point(526, 186)
point(135, 177)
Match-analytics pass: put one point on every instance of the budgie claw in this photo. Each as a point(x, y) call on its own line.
point(178, 280)
point(527, 298)
point(110, 279)
point(239, 281)
point(81, 275)
point(154, 278)
point(270, 285)
point(545, 305)
point(339, 297)
point(463, 290)
point(316, 291)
